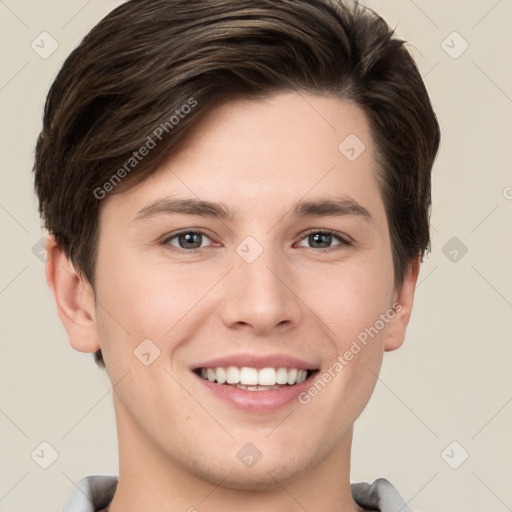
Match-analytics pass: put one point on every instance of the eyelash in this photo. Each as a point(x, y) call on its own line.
point(343, 241)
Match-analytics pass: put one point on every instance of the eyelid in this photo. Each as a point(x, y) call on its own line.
point(170, 236)
point(344, 240)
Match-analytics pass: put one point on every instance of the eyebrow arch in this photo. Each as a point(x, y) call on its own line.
point(335, 207)
point(186, 207)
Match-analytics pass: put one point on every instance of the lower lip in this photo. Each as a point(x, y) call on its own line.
point(257, 401)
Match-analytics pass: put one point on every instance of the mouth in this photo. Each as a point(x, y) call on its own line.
point(256, 383)
point(255, 379)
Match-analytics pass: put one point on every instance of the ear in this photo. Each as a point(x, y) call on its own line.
point(74, 298)
point(404, 298)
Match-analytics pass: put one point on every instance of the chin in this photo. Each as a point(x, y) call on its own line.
point(262, 476)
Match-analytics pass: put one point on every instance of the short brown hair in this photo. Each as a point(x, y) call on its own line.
point(148, 59)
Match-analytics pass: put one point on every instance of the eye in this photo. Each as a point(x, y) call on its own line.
point(187, 240)
point(192, 240)
point(323, 239)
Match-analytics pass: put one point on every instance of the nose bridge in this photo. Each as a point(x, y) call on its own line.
point(257, 293)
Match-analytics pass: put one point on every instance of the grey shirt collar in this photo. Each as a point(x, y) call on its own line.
point(95, 492)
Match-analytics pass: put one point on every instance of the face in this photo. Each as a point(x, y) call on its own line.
point(276, 281)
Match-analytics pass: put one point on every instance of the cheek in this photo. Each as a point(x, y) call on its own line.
point(146, 299)
point(349, 298)
point(352, 306)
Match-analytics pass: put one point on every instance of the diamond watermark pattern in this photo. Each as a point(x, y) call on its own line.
point(454, 455)
point(249, 454)
point(249, 250)
point(454, 249)
point(454, 45)
point(44, 45)
point(44, 455)
point(39, 250)
point(146, 352)
point(352, 147)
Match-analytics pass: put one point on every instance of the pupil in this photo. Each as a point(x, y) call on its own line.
point(188, 238)
point(315, 237)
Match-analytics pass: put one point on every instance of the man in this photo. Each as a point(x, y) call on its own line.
point(237, 195)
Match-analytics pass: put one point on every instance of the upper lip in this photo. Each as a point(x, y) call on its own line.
point(257, 361)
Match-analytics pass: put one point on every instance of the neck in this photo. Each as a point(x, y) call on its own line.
point(150, 480)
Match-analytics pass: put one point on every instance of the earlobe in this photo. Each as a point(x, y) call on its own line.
point(74, 298)
point(403, 307)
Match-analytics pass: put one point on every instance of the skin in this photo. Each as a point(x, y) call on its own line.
point(178, 443)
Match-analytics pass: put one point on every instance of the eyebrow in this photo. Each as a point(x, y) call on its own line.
point(335, 207)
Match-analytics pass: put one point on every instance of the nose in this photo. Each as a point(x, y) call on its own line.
point(259, 296)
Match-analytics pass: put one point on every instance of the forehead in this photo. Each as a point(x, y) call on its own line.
point(284, 129)
point(268, 154)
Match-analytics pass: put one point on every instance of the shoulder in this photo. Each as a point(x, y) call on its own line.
point(91, 493)
point(381, 495)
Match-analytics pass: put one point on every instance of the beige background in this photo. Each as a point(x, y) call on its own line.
point(451, 381)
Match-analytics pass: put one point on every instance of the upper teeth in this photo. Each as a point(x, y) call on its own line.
point(253, 376)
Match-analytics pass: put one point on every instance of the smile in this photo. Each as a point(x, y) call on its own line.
point(254, 379)
point(256, 383)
